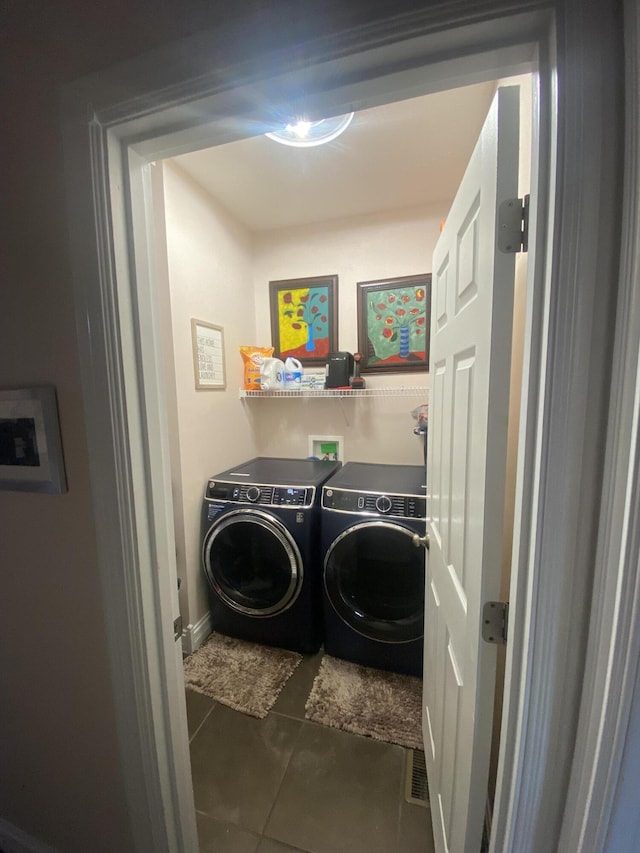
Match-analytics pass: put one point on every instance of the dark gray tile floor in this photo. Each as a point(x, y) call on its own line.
point(285, 784)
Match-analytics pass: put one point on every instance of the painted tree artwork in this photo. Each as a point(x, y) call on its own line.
point(394, 324)
point(303, 318)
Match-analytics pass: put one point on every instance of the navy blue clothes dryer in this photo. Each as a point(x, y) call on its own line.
point(373, 573)
point(261, 551)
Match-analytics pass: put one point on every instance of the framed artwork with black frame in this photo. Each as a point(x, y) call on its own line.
point(30, 446)
point(304, 318)
point(394, 318)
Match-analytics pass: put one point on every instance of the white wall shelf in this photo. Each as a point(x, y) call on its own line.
point(342, 393)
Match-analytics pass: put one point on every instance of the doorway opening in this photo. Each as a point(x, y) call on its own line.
point(211, 238)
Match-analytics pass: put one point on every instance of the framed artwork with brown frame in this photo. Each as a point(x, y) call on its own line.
point(304, 318)
point(394, 318)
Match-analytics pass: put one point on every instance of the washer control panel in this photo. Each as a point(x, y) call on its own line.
point(374, 503)
point(264, 495)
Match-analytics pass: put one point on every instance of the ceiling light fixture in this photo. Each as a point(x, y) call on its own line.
point(305, 134)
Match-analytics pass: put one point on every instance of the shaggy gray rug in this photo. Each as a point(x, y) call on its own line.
point(365, 701)
point(245, 676)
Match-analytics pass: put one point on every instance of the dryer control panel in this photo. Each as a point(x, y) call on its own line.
point(257, 493)
point(374, 503)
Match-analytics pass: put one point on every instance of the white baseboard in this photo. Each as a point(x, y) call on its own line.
point(14, 840)
point(194, 635)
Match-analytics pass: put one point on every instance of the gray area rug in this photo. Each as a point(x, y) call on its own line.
point(365, 701)
point(245, 676)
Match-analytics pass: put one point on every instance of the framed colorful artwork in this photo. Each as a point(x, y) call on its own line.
point(304, 318)
point(394, 318)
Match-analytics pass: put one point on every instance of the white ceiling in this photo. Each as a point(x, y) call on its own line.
point(405, 154)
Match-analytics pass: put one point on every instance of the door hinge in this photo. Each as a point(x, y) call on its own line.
point(495, 619)
point(513, 225)
point(177, 628)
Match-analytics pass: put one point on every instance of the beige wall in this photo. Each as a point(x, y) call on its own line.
point(210, 278)
point(362, 248)
point(220, 273)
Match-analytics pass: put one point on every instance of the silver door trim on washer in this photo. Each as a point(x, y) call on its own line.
point(274, 526)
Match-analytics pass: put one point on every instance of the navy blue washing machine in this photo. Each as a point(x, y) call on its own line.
point(261, 551)
point(373, 579)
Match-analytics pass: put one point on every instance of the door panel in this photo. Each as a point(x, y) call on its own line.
point(463, 375)
point(470, 356)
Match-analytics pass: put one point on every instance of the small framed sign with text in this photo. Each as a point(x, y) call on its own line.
point(208, 355)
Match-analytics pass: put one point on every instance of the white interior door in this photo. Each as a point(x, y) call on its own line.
point(472, 306)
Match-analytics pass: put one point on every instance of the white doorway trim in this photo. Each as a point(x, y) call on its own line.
point(602, 808)
point(116, 123)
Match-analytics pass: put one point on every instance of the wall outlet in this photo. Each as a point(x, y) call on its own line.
point(327, 447)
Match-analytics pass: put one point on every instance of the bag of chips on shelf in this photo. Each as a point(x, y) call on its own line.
point(253, 357)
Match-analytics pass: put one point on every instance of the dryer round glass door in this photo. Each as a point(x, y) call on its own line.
point(252, 562)
point(374, 578)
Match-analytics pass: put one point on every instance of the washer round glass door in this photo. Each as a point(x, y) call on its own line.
point(252, 562)
point(374, 578)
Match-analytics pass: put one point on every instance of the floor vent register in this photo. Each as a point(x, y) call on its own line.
point(416, 791)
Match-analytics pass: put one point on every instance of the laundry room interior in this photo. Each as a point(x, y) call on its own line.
point(367, 207)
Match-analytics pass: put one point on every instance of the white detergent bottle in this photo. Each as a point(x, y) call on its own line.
point(292, 374)
point(272, 375)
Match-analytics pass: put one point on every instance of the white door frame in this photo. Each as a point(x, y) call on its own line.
point(118, 121)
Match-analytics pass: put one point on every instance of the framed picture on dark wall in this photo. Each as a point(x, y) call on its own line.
point(30, 445)
point(394, 318)
point(304, 318)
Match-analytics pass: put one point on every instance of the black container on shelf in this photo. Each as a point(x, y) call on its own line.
point(339, 369)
